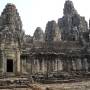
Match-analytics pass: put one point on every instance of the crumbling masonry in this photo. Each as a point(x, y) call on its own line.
point(65, 46)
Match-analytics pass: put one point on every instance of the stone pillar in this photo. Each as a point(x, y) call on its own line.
point(23, 65)
point(4, 63)
point(69, 63)
point(37, 65)
point(78, 64)
point(40, 65)
point(29, 68)
point(47, 65)
point(59, 63)
point(43, 65)
point(18, 61)
point(55, 64)
point(32, 65)
point(51, 64)
point(74, 64)
point(45, 61)
point(84, 64)
point(65, 64)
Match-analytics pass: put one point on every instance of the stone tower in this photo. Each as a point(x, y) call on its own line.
point(52, 32)
point(71, 24)
point(11, 37)
point(38, 35)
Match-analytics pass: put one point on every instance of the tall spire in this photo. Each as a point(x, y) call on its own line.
point(10, 17)
point(69, 8)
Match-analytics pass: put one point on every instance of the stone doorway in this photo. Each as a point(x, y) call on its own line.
point(9, 65)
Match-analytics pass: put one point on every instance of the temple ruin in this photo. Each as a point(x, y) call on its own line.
point(63, 47)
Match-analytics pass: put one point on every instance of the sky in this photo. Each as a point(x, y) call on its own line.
point(36, 13)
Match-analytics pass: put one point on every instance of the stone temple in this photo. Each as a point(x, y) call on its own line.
point(63, 47)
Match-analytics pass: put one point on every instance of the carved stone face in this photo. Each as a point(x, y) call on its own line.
point(38, 35)
point(69, 8)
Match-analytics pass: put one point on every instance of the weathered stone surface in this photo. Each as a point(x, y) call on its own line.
point(38, 35)
point(52, 32)
point(27, 42)
point(11, 25)
point(68, 59)
point(69, 8)
point(11, 38)
point(10, 16)
point(71, 24)
point(28, 39)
